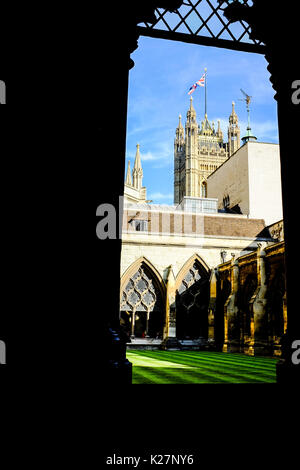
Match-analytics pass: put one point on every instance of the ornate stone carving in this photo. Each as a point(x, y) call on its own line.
point(140, 294)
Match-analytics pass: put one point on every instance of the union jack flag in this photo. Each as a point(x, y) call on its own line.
point(200, 82)
point(192, 89)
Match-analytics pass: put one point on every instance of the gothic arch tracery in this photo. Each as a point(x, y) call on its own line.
point(142, 302)
point(192, 297)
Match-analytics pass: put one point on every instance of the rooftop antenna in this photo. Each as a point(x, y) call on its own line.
point(248, 137)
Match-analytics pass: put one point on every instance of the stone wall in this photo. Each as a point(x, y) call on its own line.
point(260, 301)
point(252, 180)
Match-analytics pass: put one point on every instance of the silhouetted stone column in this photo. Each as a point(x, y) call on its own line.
point(114, 59)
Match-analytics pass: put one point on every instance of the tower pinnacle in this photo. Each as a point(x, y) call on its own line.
point(137, 172)
point(128, 175)
point(191, 104)
point(234, 141)
point(191, 114)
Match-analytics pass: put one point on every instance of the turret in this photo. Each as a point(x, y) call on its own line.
point(137, 173)
point(219, 131)
point(234, 133)
point(191, 114)
point(191, 152)
point(128, 175)
point(179, 147)
point(179, 138)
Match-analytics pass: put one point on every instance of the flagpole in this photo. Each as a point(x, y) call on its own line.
point(205, 70)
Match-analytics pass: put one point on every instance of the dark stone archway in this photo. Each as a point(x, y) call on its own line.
point(192, 299)
point(223, 292)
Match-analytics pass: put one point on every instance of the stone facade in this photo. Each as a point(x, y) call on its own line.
point(166, 238)
point(250, 182)
point(229, 261)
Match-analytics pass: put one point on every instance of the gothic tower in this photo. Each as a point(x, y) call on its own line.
point(234, 141)
point(199, 152)
point(191, 152)
point(179, 152)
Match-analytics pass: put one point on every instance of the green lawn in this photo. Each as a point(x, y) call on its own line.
point(192, 367)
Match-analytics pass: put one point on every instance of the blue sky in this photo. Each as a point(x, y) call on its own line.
point(158, 86)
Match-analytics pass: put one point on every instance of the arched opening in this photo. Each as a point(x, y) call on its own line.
point(223, 292)
point(142, 305)
point(204, 189)
point(192, 299)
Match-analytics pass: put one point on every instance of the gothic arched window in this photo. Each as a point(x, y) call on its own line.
point(142, 312)
point(204, 189)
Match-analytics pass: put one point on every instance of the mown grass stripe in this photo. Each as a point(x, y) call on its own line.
point(228, 356)
point(139, 376)
point(224, 360)
point(200, 362)
point(235, 356)
point(223, 367)
point(162, 375)
point(200, 367)
point(165, 376)
point(192, 376)
point(210, 374)
point(232, 373)
point(194, 359)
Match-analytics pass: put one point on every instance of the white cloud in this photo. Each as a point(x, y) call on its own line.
point(160, 152)
point(160, 196)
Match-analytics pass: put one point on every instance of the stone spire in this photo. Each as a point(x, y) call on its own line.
point(233, 118)
point(128, 175)
point(234, 133)
point(179, 131)
point(137, 173)
point(191, 114)
point(180, 126)
point(219, 131)
point(179, 148)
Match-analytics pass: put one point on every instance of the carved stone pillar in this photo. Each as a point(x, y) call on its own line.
point(170, 341)
point(231, 313)
point(132, 324)
point(259, 331)
point(147, 324)
point(212, 307)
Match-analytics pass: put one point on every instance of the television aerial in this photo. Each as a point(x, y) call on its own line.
point(247, 100)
